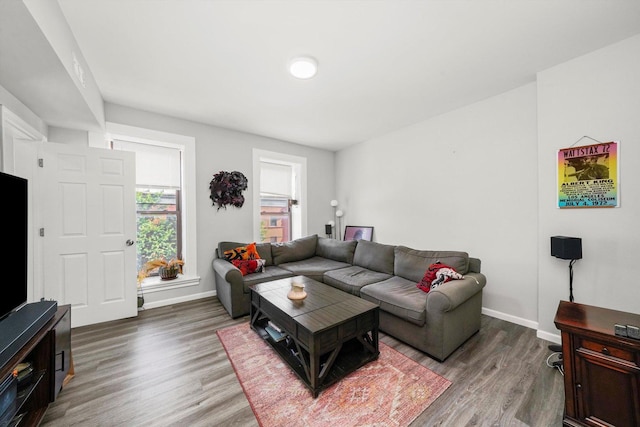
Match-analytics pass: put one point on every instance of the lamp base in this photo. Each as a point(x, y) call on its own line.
point(557, 348)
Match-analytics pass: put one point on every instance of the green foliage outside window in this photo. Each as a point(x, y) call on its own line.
point(263, 232)
point(146, 199)
point(157, 228)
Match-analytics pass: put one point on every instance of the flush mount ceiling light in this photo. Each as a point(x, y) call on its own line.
point(303, 67)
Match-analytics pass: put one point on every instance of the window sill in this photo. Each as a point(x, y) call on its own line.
point(156, 284)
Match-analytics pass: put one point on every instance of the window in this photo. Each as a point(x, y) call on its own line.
point(158, 184)
point(165, 201)
point(159, 220)
point(280, 212)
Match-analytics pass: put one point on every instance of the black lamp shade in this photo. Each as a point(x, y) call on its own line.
point(566, 247)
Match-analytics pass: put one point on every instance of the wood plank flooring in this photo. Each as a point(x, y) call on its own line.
point(167, 368)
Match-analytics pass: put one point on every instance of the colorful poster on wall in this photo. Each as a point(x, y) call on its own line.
point(588, 176)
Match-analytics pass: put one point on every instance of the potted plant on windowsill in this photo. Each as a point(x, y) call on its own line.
point(167, 270)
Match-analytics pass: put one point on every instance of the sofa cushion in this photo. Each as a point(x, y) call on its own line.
point(264, 250)
point(249, 266)
point(337, 250)
point(374, 256)
point(314, 267)
point(399, 297)
point(412, 264)
point(294, 250)
point(352, 279)
point(269, 273)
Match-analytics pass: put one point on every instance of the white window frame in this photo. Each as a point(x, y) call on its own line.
point(188, 146)
point(300, 164)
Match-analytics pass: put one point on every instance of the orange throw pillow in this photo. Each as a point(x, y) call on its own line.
point(242, 253)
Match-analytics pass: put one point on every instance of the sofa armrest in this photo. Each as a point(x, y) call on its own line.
point(450, 295)
point(228, 272)
point(230, 288)
point(474, 265)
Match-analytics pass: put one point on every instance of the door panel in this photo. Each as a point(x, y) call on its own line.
point(88, 195)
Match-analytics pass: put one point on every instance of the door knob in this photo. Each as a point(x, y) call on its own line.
point(130, 242)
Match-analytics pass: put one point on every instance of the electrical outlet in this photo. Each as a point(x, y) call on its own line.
point(620, 330)
point(633, 332)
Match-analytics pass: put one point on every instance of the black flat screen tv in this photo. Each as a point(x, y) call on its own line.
point(14, 252)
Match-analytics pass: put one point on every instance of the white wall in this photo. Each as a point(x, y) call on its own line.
point(597, 95)
point(221, 149)
point(68, 136)
point(51, 21)
point(17, 107)
point(466, 180)
point(483, 179)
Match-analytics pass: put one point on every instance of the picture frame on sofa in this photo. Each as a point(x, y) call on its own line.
point(356, 232)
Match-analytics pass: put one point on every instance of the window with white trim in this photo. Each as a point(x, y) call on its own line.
point(280, 202)
point(165, 197)
point(158, 212)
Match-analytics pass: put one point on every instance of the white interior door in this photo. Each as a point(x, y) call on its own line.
point(88, 218)
point(19, 141)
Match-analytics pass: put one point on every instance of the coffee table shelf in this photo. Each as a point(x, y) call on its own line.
point(329, 334)
point(351, 356)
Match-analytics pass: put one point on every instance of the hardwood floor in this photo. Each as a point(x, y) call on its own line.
point(167, 368)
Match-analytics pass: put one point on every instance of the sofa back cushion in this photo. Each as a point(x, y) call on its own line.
point(264, 250)
point(374, 256)
point(412, 263)
point(294, 250)
point(336, 250)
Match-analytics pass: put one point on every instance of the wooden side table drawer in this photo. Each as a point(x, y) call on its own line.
point(608, 350)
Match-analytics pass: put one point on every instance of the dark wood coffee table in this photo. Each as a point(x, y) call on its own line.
point(329, 334)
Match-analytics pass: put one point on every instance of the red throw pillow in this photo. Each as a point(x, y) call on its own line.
point(248, 266)
point(242, 253)
point(437, 274)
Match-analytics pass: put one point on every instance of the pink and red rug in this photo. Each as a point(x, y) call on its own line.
point(390, 391)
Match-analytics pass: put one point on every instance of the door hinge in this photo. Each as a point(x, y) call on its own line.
point(42, 232)
point(41, 163)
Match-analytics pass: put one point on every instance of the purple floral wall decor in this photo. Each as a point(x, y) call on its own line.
point(226, 189)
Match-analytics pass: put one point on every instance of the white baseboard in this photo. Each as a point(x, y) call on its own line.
point(554, 338)
point(177, 300)
point(509, 318)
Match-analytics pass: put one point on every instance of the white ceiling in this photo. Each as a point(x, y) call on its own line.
point(383, 65)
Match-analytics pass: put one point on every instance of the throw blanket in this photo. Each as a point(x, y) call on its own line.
point(437, 274)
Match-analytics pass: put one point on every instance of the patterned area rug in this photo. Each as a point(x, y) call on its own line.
point(390, 391)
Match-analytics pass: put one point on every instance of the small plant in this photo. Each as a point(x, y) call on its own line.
point(171, 267)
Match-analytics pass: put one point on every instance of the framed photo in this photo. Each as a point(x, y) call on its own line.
point(356, 232)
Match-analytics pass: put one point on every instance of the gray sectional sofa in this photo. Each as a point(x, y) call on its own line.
point(437, 322)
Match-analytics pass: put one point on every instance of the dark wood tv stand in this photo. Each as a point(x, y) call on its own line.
point(49, 352)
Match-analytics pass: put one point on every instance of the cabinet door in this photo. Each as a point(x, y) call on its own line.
point(607, 390)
